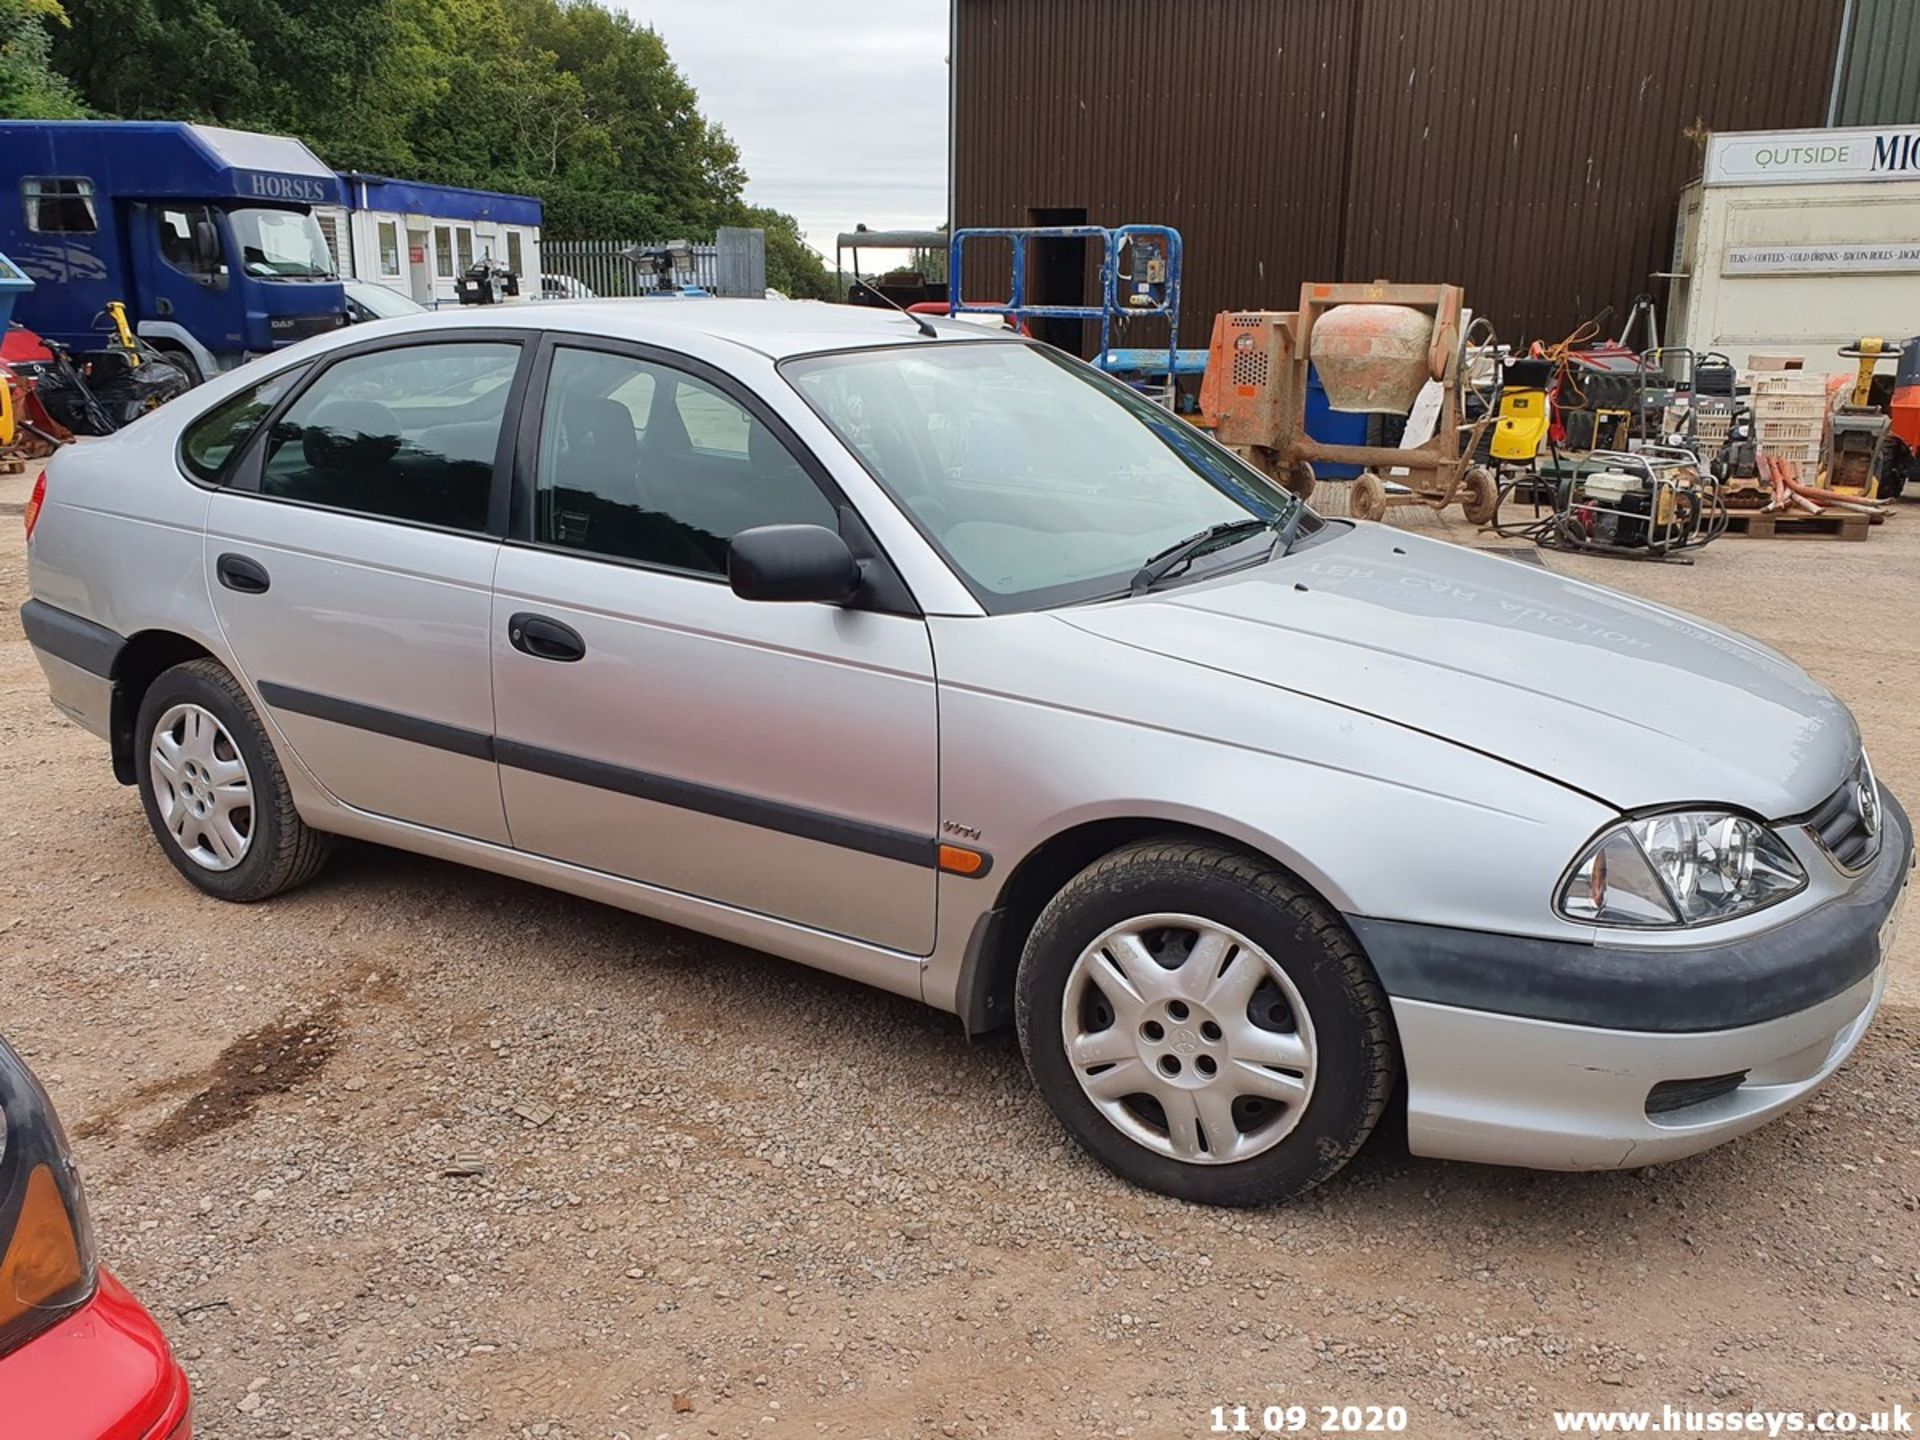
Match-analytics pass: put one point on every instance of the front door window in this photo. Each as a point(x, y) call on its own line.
point(190, 242)
point(644, 462)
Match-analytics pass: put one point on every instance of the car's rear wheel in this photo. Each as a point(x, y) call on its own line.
point(1204, 1025)
point(213, 790)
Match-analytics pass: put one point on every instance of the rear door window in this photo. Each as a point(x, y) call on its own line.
point(405, 434)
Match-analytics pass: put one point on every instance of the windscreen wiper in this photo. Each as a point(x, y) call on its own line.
point(1165, 562)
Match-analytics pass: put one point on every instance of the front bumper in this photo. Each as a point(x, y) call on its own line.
point(1572, 1057)
point(1507, 1090)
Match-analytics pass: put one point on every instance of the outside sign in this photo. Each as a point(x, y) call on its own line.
point(1820, 259)
point(1817, 157)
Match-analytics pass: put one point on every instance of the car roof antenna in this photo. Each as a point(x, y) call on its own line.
point(925, 325)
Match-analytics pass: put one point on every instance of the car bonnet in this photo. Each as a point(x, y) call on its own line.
point(1629, 702)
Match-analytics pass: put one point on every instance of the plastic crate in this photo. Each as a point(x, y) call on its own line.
point(1711, 426)
point(1789, 407)
point(1788, 432)
point(1807, 455)
point(1784, 382)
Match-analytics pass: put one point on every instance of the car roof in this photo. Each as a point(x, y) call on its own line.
point(774, 328)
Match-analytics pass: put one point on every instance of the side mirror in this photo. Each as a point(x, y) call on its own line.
point(206, 244)
point(792, 562)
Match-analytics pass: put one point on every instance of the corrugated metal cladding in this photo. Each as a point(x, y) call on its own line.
point(1880, 68)
point(1531, 151)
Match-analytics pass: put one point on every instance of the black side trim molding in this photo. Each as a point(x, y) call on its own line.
point(1810, 958)
point(472, 743)
point(819, 825)
point(94, 648)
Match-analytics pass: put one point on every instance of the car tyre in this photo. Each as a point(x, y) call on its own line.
point(214, 792)
point(1316, 997)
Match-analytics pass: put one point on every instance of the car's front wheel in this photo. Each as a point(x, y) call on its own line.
point(1204, 1025)
point(213, 790)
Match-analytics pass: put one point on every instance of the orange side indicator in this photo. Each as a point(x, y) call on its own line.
point(957, 860)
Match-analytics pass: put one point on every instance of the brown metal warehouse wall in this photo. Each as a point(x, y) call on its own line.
point(1532, 150)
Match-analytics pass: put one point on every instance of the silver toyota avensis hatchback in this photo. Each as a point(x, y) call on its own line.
point(935, 659)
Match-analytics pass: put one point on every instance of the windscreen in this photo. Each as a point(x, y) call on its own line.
point(1042, 481)
point(281, 245)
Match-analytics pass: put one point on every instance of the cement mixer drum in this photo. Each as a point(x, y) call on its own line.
point(1372, 358)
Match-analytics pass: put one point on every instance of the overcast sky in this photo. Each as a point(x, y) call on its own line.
point(839, 107)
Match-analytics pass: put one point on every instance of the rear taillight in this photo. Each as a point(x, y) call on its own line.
point(35, 501)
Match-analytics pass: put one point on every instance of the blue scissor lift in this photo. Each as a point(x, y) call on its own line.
point(1147, 289)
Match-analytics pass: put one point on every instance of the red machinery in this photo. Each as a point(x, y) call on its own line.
point(1375, 347)
point(1903, 444)
point(27, 431)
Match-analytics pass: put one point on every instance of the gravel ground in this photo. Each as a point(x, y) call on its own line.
point(422, 1152)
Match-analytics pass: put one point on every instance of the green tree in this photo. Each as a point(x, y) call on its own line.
point(662, 147)
point(30, 88)
point(127, 58)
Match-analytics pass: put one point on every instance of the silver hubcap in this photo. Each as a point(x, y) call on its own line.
point(202, 787)
point(1189, 1039)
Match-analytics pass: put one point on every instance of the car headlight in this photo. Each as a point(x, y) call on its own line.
point(1682, 868)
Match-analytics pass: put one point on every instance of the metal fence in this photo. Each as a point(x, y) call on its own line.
point(735, 265)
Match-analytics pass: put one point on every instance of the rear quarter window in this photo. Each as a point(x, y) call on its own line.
point(210, 443)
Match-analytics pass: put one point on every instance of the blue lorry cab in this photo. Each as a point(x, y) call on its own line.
point(207, 235)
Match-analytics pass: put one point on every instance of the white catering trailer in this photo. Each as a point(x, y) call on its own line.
point(1799, 241)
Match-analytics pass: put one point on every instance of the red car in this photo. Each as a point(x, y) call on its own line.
point(79, 1358)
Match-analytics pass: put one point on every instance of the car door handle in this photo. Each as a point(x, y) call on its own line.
point(237, 572)
point(545, 639)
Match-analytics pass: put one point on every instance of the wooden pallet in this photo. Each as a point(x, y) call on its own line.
point(1765, 525)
